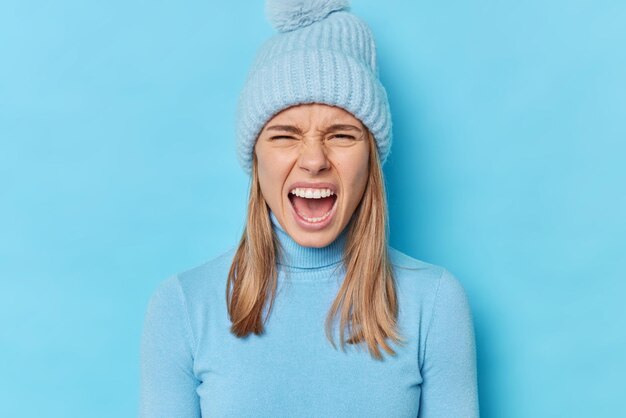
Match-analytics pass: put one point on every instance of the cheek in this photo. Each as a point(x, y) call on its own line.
point(355, 175)
point(361, 181)
point(272, 174)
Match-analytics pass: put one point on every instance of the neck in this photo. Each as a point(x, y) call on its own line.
point(292, 254)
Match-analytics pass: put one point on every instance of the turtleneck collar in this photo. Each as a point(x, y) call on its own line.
point(295, 255)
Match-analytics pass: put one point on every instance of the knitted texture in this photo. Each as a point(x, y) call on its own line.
point(286, 15)
point(192, 366)
point(323, 55)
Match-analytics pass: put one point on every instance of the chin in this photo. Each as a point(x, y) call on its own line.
point(314, 240)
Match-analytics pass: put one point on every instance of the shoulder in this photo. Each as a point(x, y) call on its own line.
point(207, 274)
point(412, 269)
point(403, 261)
point(425, 281)
point(432, 300)
point(194, 284)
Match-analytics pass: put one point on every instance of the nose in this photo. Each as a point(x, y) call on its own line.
point(313, 157)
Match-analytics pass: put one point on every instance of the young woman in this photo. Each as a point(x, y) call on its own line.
point(312, 314)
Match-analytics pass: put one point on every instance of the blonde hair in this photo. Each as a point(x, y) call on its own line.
point(366, 301)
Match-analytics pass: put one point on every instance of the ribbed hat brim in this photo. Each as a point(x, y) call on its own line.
point(311, 76)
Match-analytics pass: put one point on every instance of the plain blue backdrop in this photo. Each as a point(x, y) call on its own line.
point(118, 169)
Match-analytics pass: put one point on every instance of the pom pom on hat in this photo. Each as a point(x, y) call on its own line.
point(322, 53)
point(288, 15)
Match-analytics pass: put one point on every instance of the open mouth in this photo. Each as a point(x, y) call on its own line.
point(313, 205)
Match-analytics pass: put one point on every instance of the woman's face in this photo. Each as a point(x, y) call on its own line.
point(313, 166)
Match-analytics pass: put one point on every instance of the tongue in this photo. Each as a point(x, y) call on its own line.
point(313, 208)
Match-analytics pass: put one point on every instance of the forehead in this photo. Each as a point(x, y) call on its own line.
point(314, 114)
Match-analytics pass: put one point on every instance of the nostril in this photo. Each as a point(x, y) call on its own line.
point(314, 162)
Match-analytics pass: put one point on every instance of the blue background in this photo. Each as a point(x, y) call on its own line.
point(118, 169)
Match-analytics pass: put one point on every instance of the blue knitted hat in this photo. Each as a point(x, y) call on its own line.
point(321, 54)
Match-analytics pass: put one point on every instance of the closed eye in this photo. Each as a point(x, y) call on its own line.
point(282, 137)
point(342, 136)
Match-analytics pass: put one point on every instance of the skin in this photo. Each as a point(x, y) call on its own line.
point(304, 143)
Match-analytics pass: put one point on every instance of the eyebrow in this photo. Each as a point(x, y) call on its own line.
point(296, 130)
point(339, 127)
point(286, 128)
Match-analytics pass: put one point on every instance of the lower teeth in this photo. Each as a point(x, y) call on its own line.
point(321, 218)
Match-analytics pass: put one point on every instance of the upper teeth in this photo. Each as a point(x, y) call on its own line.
point(311, 193)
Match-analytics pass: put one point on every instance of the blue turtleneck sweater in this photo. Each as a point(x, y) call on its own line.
point(192, 366)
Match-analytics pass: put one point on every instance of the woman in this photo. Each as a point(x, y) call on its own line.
point(312, 314)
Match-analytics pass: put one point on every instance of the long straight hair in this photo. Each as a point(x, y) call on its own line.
point(366, 302)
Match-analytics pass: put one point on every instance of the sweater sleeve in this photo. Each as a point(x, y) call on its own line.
point(449, 387)
point(168, 384)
